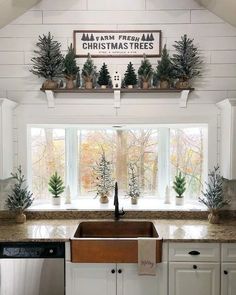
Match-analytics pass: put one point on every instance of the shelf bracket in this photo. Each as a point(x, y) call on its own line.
point(184, 98)
point(116, 98)
point(50, 98)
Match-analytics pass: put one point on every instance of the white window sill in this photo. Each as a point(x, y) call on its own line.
point(144, 204)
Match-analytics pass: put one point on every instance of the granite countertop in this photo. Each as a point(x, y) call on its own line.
point(170, 230)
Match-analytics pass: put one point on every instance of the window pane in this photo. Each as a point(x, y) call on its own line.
point(121, 147)
point(187, 147)
point(48, 156)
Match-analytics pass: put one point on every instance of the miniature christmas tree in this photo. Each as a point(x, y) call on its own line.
point(70, 66)
point(104, 76)
point(213, 198)
point(49, 61)
point(89, 72)
point(130, 77)
point(20, 199)
point(134, 190)
point(164, 71)
point(56, 186)
point(187, 61)
point(145, 72)
point(104, 181)
point(179, 185)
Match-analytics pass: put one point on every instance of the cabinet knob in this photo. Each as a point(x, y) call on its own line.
point(113, 271)
point(225, 272)
point(194, 252)
point(194, 266)
point(119, 270)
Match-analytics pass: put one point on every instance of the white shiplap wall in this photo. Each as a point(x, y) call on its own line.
point(216, 39)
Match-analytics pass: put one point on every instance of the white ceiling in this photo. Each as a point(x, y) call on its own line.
point(226, 9)
point(11, 9)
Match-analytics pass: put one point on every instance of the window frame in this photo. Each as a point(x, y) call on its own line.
point(71, 152)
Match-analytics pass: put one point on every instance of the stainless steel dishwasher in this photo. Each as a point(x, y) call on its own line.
point(32, 268)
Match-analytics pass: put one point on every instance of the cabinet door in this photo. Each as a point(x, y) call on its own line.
point(196, 279)
point(90, 279)
point(228, 279)
point(130, 283)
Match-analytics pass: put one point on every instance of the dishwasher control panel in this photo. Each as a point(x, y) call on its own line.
point(32, 250)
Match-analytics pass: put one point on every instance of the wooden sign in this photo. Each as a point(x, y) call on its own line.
point(117, 43)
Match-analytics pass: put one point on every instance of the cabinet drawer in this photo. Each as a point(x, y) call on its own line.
point(194, 252)
point(228, 252)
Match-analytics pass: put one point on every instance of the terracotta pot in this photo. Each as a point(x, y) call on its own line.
point(49, 85)
point(20, 218)
point(145, 85)
point(56, 201)
point(164, 84)
point(104, 199)
point(179, 201)
point(88, 85)
point(214, 217)
point(130, 86)
point(103, 86)
point(70, 84)
point(182, 84)
point(134, 201)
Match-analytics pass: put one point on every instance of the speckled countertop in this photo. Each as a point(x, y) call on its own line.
point(170, 230)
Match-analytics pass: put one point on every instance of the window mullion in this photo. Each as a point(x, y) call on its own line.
point(163, 160)
point(71, 160)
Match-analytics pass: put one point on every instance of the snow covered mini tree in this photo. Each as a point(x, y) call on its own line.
point(104, 181)
point(21, 198)
point(213, 197)
point(70, 68)
point(164, 72)
point(89, 73)
point(145, 73)
point(134, 187)
point(187, 61)
point(49, 61)
point(104, 76)
point(130, 78)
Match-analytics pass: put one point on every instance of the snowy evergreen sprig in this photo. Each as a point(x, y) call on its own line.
point(48, 62)
point(213, 197)
point(187, 61)
point(104, 181)
point(134, 187)
point(20, 199)
point(55, 185)
point(179, 185)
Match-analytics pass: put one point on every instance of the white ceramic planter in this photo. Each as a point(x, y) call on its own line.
point(179, 201)
point(56, 201)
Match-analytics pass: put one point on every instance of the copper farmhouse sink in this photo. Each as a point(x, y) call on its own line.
point(112, 241)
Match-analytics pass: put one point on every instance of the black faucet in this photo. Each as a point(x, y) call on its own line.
point(117, 212)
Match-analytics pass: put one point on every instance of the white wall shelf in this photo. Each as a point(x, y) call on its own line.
point(181, 94)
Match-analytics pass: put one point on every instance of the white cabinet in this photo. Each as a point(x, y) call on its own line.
point(112, 279)
point(228, 269)
point(90, 279)
point(189, 278)
point(228, 138)
point(194, 268)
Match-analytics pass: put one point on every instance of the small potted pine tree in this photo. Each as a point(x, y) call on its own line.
point(134, 188)
point(70, 68)
point(145, 73)
point(187, 62)
point(21, 198)
point(130, 78)
point(164, 72)
point(56, 188)
point(89, 73)
point(104, 182)
point(179, 187)
point(48, 62)
point(104, 77)
point(213, 197)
